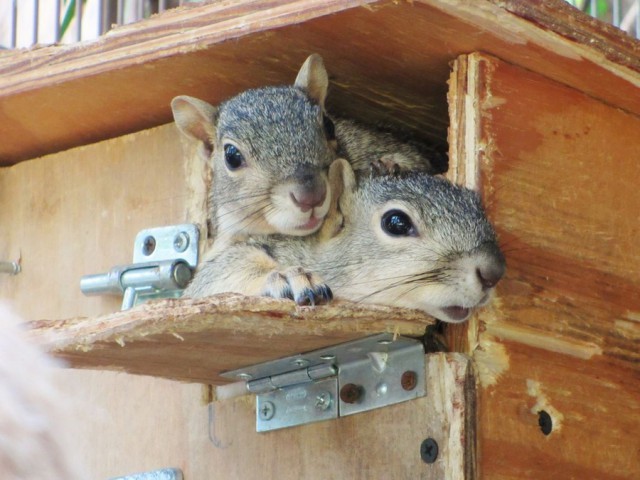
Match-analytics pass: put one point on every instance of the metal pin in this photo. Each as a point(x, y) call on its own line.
point(12, 268)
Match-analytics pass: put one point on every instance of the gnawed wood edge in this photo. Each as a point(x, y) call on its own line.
point(451, 388)
point(195, 340)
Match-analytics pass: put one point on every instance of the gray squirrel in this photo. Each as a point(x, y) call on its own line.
point(270, 150)
point(409, 240)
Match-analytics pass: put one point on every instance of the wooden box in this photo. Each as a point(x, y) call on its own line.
point(540, 108)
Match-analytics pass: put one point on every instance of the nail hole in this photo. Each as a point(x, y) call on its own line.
point(545, 422)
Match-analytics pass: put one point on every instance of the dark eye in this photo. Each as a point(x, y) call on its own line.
point(329, 128)
point(397, 224)
point(232, 157)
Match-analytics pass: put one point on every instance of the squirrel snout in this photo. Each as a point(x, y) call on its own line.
point(491, 267)
point(309, 193)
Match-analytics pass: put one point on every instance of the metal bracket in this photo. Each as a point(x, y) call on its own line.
point(350, 378)
point(164, 474)
point(164, 259)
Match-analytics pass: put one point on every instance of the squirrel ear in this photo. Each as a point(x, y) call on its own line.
point(341, 183)
point(195, 118)
point(313, 78)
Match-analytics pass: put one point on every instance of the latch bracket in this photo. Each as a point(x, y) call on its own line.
point(164, 259)
point(333, 382)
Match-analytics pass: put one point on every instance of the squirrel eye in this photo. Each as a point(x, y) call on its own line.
point(397, 224)
point(232, 157)
point(329, 128)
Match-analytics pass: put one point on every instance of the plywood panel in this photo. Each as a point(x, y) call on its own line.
point(76, 213)
point(389, 61)
point(559, 175)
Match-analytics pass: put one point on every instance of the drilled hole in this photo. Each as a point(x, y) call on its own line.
point(545, 422)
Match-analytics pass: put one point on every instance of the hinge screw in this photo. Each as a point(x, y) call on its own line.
point(409, 380)
point(181, 242)
point(267, 411)
point(351, 393)
point(323, 401)
point(429, 450)
point(148, 245)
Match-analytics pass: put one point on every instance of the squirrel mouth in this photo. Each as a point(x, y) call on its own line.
point(312, 223)
point(456, 313)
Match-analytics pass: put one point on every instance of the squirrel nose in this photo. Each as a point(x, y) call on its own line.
point(491, 266)
point(309, 193)
point(489, 276)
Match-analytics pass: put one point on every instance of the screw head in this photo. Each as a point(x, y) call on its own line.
point(351, 393)
point(409, 380)
point(429, 450)
point(382, 389)
point(323, 401)
point(148, 245)
point(267, 411)
point(300, 362)
point(181, 242)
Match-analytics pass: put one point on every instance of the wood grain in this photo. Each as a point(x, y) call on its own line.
point(558, 173)
point(196, 340)
point(58, 97)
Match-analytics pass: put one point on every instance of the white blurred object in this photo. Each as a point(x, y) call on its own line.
point(35, 438)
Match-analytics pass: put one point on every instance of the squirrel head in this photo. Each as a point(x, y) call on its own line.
point(413, 240)
point(270, 150)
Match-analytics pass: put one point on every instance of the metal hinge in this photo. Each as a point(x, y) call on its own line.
point(350, 378)
point(164, 259)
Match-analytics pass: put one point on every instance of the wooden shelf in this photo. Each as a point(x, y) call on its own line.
point(54, 98)
point(196, 340)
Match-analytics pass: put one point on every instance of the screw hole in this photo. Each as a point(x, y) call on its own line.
point(545, 422)
point(148, 245)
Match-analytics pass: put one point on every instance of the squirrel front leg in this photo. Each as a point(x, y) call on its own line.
point(250, 270)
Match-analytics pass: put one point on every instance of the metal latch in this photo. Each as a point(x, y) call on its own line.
point(164, 259)
point(350, 378)
point(164, 474)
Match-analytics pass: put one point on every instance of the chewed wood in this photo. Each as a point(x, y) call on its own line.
point(195, 340)
point(558, 171)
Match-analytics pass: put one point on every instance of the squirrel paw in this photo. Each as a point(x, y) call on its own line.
point(297, 284)
point(386, 165)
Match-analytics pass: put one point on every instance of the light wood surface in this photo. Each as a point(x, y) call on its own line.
point(559, 174)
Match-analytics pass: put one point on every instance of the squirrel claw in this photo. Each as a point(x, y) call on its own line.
point(298, 285)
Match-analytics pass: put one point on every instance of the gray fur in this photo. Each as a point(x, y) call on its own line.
point(434, 270)
point(363, 145)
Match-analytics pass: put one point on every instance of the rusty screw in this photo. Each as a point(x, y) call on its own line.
point(351, 393)
point(409, 380)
